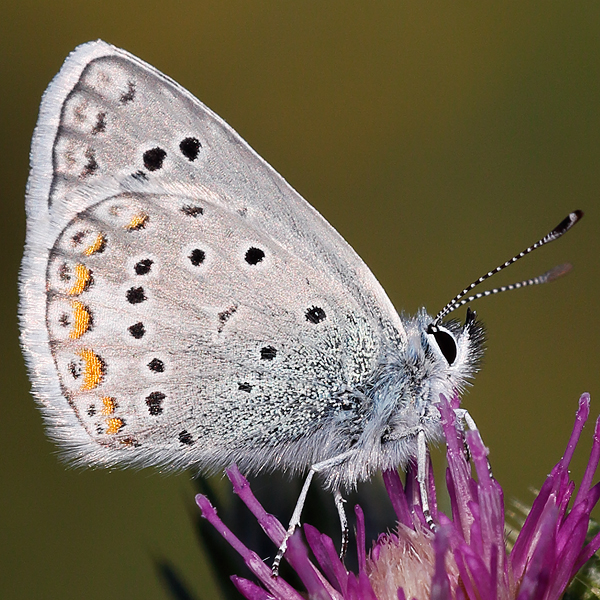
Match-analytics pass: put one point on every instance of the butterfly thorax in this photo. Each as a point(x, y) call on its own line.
point(399, 399)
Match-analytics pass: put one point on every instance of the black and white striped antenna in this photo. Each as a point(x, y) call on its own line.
point(460, 300)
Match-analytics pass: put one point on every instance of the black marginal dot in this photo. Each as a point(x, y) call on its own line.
point(186, 438)
point(268, 353)
point(143, 266)
point(192, 211)
point(100, 125)
point(64, 320)
point(154, 403)
point(130, 442)
point(78, 237)
point(154, 158)
point(254, 255)
point(156, 365)
point(129, 95)
point(91, 165)
point(197, 256)
point(136, 295)
point(190, 147)
point(225, 315)
point(74, 369)
point(91, 411)
point(64, 272)
point(315, 315)
point(245, 387)
point(137, 331)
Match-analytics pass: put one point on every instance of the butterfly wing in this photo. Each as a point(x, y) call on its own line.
point(181, 304)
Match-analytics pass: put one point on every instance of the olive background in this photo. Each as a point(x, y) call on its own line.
point(439, 139)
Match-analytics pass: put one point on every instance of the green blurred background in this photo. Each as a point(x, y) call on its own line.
point(438, 139)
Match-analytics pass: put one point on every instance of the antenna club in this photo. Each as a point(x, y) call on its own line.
point(557, 272)
point(568, 222)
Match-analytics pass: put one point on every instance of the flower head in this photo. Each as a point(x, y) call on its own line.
point(465, 559)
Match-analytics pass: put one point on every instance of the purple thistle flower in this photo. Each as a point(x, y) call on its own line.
point(466, 558)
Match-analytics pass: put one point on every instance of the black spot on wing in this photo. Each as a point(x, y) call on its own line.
point(268, 353)
point(156, 365)
point(143, 267)
point(197, 257)
point(315, 314)
point(190, 148)
point(136, 295)
point(154, 402)
point(254, 256)
point(137, 331)
point(186, 438)
point(154, 159)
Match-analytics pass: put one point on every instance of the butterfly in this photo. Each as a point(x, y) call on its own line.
point(183, 306)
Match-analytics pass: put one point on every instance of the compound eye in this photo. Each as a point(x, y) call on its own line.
point(445, 343)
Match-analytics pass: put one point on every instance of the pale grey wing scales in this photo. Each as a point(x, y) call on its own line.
point(122, 151)
point(216, 346)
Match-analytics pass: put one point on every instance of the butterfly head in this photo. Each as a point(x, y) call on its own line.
point(453, 350)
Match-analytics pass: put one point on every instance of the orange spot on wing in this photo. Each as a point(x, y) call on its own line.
point(81, 320)
point(109, 405)
point(83, 277)
point(94, 370)
point(137, 222)
point(96, 246)
point(113, 425)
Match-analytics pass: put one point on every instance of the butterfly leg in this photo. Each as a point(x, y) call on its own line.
point(423, 477)
point(339, 504)
point(295, 520)
point(463, 416)
point(465, 419)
